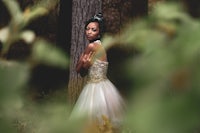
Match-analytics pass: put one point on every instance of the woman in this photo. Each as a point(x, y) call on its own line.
point(99, 99)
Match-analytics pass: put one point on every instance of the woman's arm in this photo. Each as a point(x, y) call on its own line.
point(79, 63)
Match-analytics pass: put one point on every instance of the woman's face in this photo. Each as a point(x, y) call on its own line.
point(92, 31)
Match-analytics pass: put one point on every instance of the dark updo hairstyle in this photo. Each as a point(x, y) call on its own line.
point(99, 19)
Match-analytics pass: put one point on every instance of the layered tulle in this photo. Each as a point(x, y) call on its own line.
point(98, 100)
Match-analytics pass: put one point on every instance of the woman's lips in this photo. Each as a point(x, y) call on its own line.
point(89, 37)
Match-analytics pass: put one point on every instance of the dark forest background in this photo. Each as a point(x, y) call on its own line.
point(56, 28)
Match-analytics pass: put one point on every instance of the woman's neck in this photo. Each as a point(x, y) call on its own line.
point(94, 40)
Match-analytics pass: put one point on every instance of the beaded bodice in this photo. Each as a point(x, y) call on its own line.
point(98, 71)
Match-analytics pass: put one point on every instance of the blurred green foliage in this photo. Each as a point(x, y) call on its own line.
point(165, 73)
point(18, 112)
point(164, 96)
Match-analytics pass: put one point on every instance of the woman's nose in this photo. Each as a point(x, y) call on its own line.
point(89, 31)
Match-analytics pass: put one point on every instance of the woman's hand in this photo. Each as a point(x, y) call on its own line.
point(88, 59)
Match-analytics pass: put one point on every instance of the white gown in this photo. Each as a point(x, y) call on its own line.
point(100, 97)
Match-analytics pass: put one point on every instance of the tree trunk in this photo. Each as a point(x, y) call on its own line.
point(116, 13)
point(81, 11)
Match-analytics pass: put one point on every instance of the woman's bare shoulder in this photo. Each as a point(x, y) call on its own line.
point(92, 46)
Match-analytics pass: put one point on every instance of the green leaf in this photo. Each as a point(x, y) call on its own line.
point(46, 53)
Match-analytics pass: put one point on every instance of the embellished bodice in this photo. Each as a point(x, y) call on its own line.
point(98, 71)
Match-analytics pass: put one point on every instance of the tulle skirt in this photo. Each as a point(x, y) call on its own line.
point(99, 100)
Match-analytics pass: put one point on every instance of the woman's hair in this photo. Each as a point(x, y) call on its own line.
point(99, 19)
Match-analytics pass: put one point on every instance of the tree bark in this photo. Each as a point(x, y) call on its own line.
point(116, 13)
point(81, 11)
